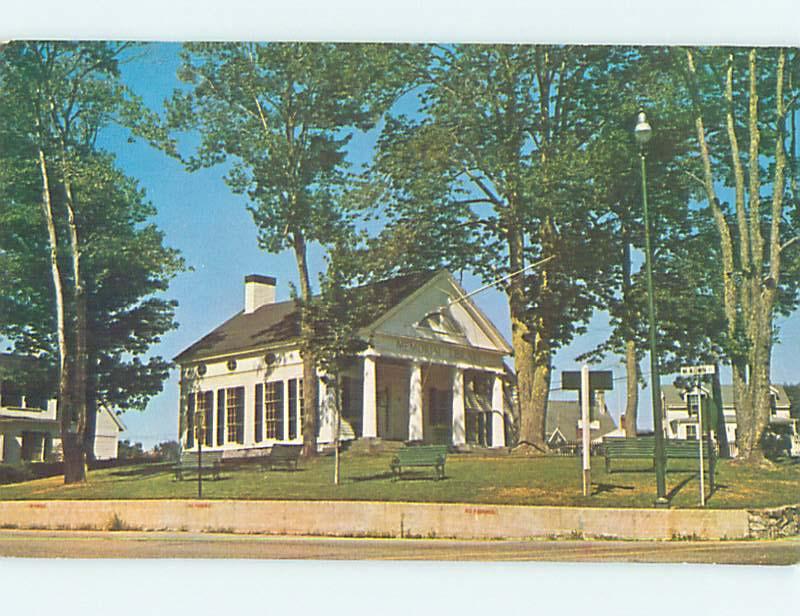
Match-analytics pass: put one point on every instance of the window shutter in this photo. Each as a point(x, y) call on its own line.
point(220, 417)
point(190, 422)
point(209, 417)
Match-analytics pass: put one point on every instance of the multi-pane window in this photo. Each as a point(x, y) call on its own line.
point(693, 403)
point(273, 410)
point(234, 405)
point(259, 394)
point(220, 417)
point(691, 433)
point(203, 410)
point(190, 421)
point(292, 395)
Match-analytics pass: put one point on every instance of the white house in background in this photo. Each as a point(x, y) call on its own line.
point(563, 423)
point(433, 372)
point(30, 427)
point(681, 408)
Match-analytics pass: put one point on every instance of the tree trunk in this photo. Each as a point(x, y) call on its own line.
point(631, 360)
point(75, 471)
point(337, 393)
point(542, 373)
point(529, 383)
point(310, 404)
point(71, 447)
point(632, 389)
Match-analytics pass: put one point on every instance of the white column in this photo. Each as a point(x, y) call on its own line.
point(325, 413)
point(498, 411)
point(415, 403)
point(459, 432)
point(369, 419)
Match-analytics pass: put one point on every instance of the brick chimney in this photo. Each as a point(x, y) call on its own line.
point(258, 291)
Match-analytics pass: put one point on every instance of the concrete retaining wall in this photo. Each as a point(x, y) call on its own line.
point(376, 519)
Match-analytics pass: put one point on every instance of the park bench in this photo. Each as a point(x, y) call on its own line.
point(282, 456)
point(188, 463)
point(643, 448)
point(420, 456)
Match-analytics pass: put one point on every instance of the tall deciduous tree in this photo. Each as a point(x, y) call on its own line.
point(282, 114)
point(501, 149)
point(741, 101)
point(684, 247)
point(65, 200)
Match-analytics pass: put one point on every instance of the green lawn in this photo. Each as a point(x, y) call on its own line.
point(470, 478)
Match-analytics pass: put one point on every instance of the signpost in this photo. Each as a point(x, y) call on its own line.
point(700, 446)
point(700, 371)
point(587, 381)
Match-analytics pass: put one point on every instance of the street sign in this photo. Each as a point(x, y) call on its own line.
point(698, 370)
point(598, 379)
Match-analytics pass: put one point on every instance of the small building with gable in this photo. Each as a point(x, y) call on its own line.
point(30, 424)
point(433, 372)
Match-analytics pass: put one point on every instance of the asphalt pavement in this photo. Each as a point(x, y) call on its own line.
point(137, 544)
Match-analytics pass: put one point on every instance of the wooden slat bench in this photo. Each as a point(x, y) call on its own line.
point(643, 448)
point(211, 460)
point(420, 456)
point(620, 448)
point(282, 456)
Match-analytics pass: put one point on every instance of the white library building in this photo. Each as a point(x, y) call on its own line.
point(433, 372)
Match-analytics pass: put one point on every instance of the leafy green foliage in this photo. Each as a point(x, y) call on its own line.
point(281, 114)
point(125, 265)
point(502, 148)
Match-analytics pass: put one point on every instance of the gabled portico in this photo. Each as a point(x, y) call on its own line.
point(434, 371)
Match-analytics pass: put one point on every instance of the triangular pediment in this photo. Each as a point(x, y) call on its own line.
point(439, 312)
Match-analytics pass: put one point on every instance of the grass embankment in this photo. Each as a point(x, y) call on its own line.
point(470, 478)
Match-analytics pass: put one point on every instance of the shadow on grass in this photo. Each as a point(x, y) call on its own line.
point(375, 477)
point(674, 491)
point(406, 476)
point(607, 488)
point(143, 471)
point(419, 476)
point(207, 479)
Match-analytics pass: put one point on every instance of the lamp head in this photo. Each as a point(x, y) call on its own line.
point(642, 132)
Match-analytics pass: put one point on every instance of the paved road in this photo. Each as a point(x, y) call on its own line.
point(86, 544)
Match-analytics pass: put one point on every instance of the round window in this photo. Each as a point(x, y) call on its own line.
point(231, 364)
point(201, 369)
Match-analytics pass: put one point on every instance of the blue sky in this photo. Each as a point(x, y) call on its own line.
point(217, 236)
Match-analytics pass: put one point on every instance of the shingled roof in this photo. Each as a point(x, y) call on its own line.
point(673, 397)
point(279, 322)
point(564, 415)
